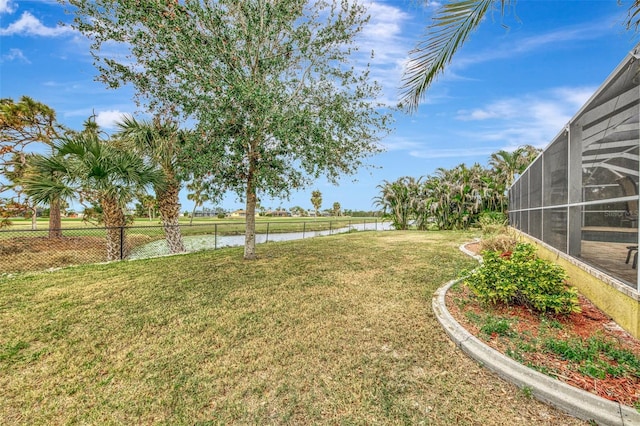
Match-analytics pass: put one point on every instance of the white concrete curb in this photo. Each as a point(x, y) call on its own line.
point(574, 401)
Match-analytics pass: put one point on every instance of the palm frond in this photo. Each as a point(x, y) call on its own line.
point(451, 26)
point(633, 16)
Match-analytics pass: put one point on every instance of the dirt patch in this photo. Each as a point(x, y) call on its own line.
point(526, 336)
point(39, 253)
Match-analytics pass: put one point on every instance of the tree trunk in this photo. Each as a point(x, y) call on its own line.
point(114, 222)
point(193, 213)
point(55, 219)
point(250, 227)
point(170, 213)
point(34, 218)
point(250, 215)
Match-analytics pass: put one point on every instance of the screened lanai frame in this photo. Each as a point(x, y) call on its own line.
point(580, 195)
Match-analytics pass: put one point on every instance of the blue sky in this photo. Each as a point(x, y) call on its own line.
point(518, 81)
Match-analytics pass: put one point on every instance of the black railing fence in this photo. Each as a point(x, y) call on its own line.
point(35, 250)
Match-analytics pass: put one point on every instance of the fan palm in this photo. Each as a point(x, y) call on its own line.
point(158, 142)
point(43, 182)
point(199, 196)
point(99, 171)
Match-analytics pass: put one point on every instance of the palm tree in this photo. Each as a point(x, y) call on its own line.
point(99, 171)
point(148, 202)
point(397, 200)
point(509, 164)
point(43, 183)
point(158, 142)
point(316, 200)
point(336, 209)
point(451, 26)
point(198, 196)
point(455, 196)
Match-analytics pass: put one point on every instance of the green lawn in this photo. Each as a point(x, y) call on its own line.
point(43, 222)
point(330, 330)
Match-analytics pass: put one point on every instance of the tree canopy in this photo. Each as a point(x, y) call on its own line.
point(272, 86)
point(23, 123)
point(454, 198)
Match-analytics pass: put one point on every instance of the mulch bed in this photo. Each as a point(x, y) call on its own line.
point(591, 321)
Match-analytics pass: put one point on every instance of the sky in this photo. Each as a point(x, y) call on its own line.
point(518, 80)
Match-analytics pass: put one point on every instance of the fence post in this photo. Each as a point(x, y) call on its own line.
point(304, 227)
point(267, 240)
point(330, 228)
point(121, 242)
point(215, 236)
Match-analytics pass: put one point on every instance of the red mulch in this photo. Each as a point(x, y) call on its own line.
point(591, 321)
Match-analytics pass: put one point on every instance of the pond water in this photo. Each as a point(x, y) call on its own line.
point(209, 242)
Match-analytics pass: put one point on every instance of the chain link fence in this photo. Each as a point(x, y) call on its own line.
point(36, 250)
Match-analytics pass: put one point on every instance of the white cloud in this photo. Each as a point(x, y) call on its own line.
point(7, 6)
point(533, 119)
point(577, 96)
point(428, 153)
point(519, 46)
point(108, 119)
point(552, 106)
point(15, 55)
point(383, 36)
point(30, 25)
point(398, 143)
point(386, 21)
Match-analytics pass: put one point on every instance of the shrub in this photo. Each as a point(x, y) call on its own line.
point(492, 222)
point(500, 243)
point(520, 278)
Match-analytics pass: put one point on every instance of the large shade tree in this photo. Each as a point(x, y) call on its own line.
point(272, 86)
point(452, 24)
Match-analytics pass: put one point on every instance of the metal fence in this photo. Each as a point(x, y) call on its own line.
point(34, 250)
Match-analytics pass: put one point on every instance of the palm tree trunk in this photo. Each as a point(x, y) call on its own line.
point(193, 213)
point(34, 218)
point(168, 202)
point(114, 222)
point(55, 219)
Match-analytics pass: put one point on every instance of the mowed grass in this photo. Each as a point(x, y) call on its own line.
point(331, 330)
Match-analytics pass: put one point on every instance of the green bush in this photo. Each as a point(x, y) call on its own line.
point(492, 222)
point(520, 278)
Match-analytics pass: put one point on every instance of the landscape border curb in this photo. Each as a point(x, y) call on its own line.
point(572, 400)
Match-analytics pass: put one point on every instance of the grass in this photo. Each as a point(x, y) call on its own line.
point(331, 330)
point(280, 224)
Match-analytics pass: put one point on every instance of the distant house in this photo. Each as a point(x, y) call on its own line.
point(239, 213)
